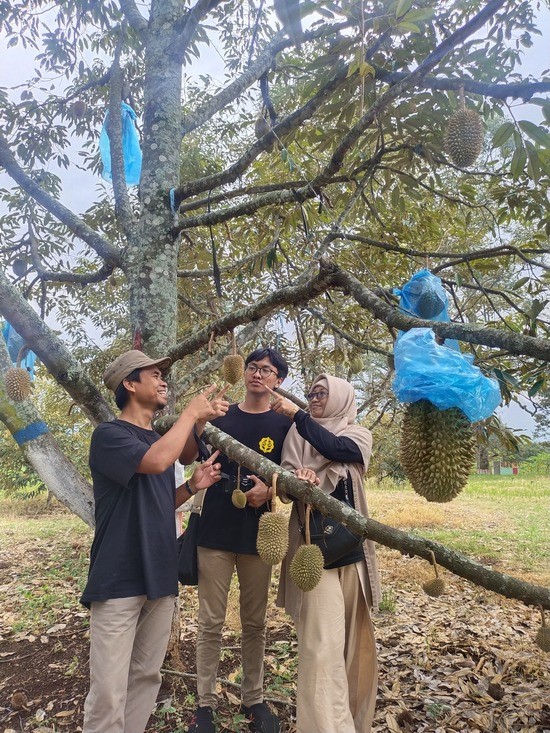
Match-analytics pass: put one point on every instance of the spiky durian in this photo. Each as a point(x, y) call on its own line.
point(238, 499)
point(356, 364)
point(272, 539)
point(233, 368)
point(542, 639)
point(436, 586)
point(437, 450)
point(18, 384)
point(261, 127)
point(306, 567)
point(464, 137)
point(429, 304)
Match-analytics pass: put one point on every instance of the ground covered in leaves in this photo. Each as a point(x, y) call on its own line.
point(463, 662)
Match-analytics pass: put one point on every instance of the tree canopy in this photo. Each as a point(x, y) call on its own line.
point(281, 199)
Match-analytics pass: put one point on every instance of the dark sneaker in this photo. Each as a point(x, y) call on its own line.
point(202, 721)
point(261, 719)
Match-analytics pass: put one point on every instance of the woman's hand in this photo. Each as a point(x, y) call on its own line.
point(306, 474)
point(282, 405)
point(206, 474)
point(259, 493)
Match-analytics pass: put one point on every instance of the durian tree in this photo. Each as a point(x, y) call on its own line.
point(292, 229)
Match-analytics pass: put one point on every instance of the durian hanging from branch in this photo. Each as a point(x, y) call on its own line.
point(306, 567)
point(436, 586)
point(438, 449)
point(464, 135)
point(542, 639)
point(272, 539)
point(18, 380)
point(233, 365)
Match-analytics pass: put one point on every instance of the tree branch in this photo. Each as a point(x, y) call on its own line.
point(350, 339)
point(459, 564)
point(135, 19)
point(289, 295)
point(59, 361)
point(103, 247)
point(233, 265)
point(290, 123)
point(512, 342)
point(410, 81)
point(518, 90)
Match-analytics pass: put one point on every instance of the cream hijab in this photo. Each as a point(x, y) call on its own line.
point(338, 417)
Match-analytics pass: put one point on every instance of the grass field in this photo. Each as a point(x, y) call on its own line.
point(465, 640)
point(501, 521)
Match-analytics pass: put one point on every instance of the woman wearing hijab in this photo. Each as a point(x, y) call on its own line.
point(337, 668)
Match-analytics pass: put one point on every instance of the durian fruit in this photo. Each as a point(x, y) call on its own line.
point(238, 499)
point(233, 365)
point(18, 384)
point(464, 135)
point(436, 586)
point(306, 567)
point(79, 108)
point(542, 639)
point(429, 304)
point(261, 127)
point(272, 539)
point(438, 448)
point(356, 364)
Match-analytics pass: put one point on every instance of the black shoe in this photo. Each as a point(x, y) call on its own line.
point(261, 719)
point(202, 721)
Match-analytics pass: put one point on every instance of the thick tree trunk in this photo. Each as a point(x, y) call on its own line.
point(41, 450)
point(151, 260)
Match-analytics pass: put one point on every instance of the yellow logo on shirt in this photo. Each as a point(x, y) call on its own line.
point(266, 445)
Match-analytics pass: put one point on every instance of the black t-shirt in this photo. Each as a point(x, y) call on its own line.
point(222, 525)
point(134, 549)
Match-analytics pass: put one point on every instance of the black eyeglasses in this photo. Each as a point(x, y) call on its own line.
point(265, 371)
point(320, 395)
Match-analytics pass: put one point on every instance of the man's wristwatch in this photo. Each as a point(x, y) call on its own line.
point(189, 489)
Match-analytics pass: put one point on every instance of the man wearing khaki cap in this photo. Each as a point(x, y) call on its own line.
point(132, 581)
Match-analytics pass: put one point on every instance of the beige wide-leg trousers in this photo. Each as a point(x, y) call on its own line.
point(337, 667)
point(128, 640)
point(215, 571)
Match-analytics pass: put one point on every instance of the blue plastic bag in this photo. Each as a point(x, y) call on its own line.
point(130, 147)
point(447, 378)
point(15, 343)
point(423, 296)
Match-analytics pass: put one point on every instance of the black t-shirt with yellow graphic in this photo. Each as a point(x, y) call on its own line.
point(223, 526)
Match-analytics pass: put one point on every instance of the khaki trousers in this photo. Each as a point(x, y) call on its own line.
point(337, 667)
point(215, 571)
point(128, 640)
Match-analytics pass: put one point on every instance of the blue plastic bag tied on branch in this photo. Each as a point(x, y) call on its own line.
point(440, 373)
point(131, 150)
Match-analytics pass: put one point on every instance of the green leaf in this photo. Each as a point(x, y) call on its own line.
point(403, 6)
point(503, 134)
point(519, 158)
point(535, 387)
point(411, 27)
point(520, 282)
point(421, 14)
point(536, 133)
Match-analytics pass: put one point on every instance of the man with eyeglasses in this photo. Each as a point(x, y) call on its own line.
point(227, 541)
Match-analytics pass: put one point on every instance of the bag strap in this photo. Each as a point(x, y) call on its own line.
point(198, 501)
